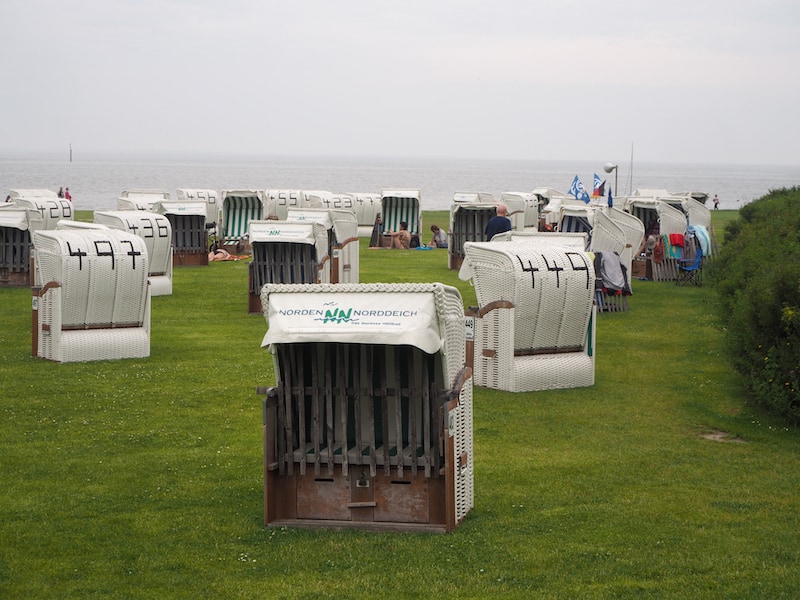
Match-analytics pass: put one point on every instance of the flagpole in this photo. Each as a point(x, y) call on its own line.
point(630, 173)
point(608, 167)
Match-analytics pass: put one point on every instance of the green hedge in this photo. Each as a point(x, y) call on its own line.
point(758, 273)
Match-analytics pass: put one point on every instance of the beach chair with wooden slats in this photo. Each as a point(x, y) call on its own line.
point(661, 219)
point(369, 424)
point(16, 227)
point(469, 215)
point(91, 300)
point(189, 232)
point(534, 326)
point(468, 220)
point(286, 252)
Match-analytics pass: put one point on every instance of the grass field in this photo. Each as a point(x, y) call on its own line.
point(143, 478)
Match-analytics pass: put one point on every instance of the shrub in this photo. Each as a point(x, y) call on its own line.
point(758, 276)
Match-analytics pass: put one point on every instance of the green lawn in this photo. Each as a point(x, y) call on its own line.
point(143, 478)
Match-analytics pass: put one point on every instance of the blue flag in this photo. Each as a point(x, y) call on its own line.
point(577, 190)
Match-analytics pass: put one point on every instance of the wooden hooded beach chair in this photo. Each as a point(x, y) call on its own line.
point(188, 221)
point(369, 424)
point(660, 219)
point(16, 227)
point(468, 220)
point(286, 252)
point(471, 212)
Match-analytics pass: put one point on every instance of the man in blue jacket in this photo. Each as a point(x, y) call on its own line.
point(498, 223)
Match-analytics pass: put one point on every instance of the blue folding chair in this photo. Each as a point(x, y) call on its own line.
point(690, 270)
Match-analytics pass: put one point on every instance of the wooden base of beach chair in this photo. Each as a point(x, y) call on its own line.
point(9, 278)
point(189, 259)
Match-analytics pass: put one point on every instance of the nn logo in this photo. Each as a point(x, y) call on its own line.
point(337, 315)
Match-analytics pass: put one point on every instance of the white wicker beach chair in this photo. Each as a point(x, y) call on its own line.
point(608, 238)
point(209, 198)
point(367, 206)
point(278, 203)
point(633, 230)
point(93, 299)
point(52, 208)
point(530, 207)
point(370, 422)
point(141, 199)
point(156, 231)
point(576, 240)
point(698, 214)
point(534, 328)
point(343, 247)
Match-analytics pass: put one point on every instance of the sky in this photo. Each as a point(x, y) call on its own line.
point(682, 81)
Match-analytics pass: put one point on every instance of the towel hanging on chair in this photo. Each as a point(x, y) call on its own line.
point(676, 239)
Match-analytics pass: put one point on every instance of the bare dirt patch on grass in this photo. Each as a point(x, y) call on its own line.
point(722, 436)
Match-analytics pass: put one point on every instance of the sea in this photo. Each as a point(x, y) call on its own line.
point(96, 182)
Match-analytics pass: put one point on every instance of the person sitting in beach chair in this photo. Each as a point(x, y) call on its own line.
point(401, 239)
